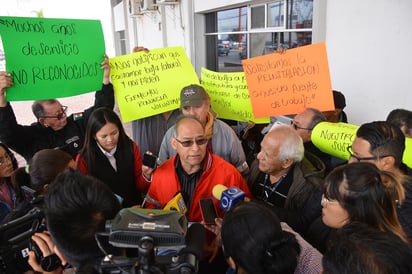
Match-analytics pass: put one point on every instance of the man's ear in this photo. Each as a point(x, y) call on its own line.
point(42, 122)
point(387, 163)
point(173, 142)
point(309, 132)
point(287, 163)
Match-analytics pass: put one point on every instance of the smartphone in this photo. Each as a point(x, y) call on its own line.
point(149, 160)
point(208, 210)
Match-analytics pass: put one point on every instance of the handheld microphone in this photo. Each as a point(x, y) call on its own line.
point(228, 196)
point(195, 239)
point(177, 203)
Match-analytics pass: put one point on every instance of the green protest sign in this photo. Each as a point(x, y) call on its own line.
point(52, 58)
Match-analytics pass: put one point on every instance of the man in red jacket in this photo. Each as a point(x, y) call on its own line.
point(194, 171)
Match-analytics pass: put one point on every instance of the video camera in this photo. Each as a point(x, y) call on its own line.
point(153, 232)
point(15, 236)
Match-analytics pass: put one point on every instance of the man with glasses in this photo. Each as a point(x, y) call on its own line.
point(194, 171)
point(383, 144)
point(223, 141)
point(286, 180)
point(53, 128)
point(303, 123)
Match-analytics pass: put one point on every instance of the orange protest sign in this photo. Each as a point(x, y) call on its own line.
point(286, 83)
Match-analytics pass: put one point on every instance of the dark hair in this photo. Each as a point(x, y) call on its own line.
point(42, 169)
point(317, 117)
point(77, 206)
point(360, 248)
point(384, 139)
point(368, 195)
point(401, 118)
point(38, 109)
point(11, 180)
point(98, 119)
point(339, 99)
point(253, 237)
point(11, 155)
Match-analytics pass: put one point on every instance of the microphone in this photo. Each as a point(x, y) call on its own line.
point(177, 203)
point(228, 196)
point(195, 239)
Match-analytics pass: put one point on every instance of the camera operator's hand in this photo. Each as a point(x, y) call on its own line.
point(213, 248)
point(216, 228)
point(47, 247)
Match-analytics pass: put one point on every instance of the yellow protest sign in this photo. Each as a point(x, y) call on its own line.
point(229, 95)
point(287, 83)
point(146, 84)
point(407, 154)
point(334, 138)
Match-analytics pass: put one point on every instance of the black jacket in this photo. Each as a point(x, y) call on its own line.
point(302, 205)
point(27, 140)
point(122, 181)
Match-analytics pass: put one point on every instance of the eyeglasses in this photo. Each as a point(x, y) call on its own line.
point(60, 115)
point(190, 143)
point(296, 127)
point(325, 200)
point(350, 151)
point(5, 158)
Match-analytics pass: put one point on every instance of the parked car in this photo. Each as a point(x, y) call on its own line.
point(243, 52)
point(223, 49)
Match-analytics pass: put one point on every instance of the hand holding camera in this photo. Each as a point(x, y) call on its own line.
point(42, 257)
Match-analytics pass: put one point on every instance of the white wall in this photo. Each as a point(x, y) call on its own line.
point(368, 45)
point(162, 28)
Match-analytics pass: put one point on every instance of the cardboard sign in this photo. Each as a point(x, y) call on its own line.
point(287, 83)
point(146, 84)
point(52, 58)
point(334, 138)
point(229, 95)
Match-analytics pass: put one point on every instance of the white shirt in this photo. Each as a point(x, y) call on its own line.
point(110, 156)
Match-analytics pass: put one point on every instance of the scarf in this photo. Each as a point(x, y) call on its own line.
point(209, 126)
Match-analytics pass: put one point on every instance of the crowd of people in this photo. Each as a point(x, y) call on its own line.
point(302, 210)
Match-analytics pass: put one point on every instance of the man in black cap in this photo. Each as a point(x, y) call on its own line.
point(223, 141)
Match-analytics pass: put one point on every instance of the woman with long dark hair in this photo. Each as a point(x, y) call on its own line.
point(8, 199)
point(361, 192)
point(111, 156)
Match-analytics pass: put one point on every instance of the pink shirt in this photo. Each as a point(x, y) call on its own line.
point(310, 259)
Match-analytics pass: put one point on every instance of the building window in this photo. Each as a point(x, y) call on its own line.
point(254, 30)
